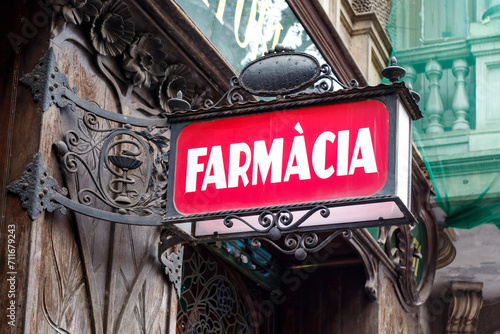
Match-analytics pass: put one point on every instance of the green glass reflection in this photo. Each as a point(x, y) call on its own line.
point(242, 30)
point(446, 47)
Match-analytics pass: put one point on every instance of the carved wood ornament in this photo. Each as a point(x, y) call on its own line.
point(99, 277)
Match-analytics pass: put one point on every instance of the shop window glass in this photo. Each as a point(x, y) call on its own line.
point(242, 30)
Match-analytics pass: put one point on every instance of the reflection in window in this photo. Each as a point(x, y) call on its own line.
point(242, 30)
point(445, 19)
point(422, 22)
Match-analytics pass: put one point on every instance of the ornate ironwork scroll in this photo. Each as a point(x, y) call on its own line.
point(273, 224)
point(127, 164)
point(131, 169)
point(281, 71)
point(302, 244)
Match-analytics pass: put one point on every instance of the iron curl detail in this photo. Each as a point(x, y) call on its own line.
point(275, 223)
point(300, 245)
point(325, 82)
point(273, 76)
point(285, 217)
point(110, 158)
point(267, 219)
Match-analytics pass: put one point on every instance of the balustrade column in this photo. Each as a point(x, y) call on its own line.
point(434, 107)
point(460, 99)
point(411, 75)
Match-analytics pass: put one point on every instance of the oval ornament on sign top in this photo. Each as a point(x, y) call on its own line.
point(280, 73)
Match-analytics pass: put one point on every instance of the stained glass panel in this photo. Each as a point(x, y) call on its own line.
point(213, 298)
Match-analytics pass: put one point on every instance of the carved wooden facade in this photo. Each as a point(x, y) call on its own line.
point(79, 274)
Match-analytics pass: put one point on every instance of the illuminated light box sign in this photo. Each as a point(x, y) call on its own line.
point(292, 158)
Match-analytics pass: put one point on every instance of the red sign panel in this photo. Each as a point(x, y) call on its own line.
point(286, 157)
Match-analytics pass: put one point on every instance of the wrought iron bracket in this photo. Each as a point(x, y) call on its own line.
point(50, 86)
point(140, 140)
point(39, 191)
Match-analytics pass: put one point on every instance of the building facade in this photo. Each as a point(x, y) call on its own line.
point(451, 53)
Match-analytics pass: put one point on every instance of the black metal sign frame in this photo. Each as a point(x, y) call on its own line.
point(389, 95)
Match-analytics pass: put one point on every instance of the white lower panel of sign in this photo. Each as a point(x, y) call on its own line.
point(338, 215)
